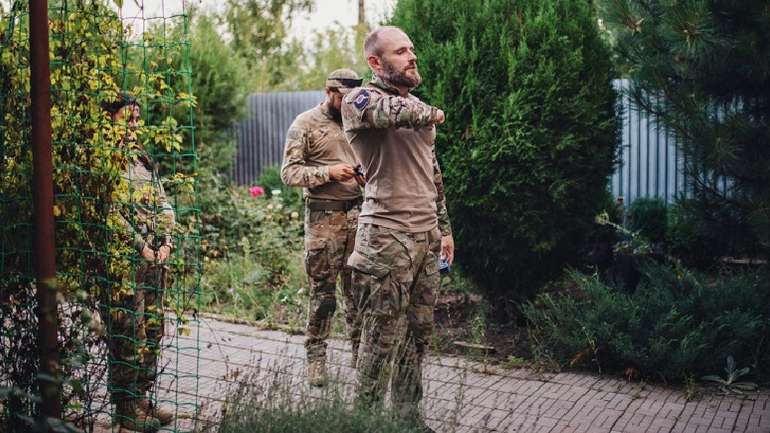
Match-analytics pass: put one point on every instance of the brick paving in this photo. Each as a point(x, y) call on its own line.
point(461, 396)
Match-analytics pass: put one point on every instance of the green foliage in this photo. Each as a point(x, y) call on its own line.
point(89, 162)
point(259, 28)
point(252, 249)
point(688, 238)
point(649, 217)
point(333, 48)
point(88, 51)
point(241, 286)
point(270, 180)
point(701, 67)
point(274, 405)
point(730, 382)
point(676, 323)
point(530, 134)
point(220, 87)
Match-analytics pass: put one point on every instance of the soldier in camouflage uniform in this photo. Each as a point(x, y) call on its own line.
point(318, 158)
point(134, 312)
point(403, 227)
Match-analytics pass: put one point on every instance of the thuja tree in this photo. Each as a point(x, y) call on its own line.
point(703, 69)
point(530, 134)
point(92, 257)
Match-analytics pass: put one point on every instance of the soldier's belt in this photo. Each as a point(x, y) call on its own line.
point(339, 205)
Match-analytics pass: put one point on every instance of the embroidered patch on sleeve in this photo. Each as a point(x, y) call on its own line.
point(361, 100)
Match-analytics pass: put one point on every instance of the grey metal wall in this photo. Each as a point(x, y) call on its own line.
point(650, 163)
point(261, 135)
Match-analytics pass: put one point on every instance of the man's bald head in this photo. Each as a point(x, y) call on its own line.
point(373, 41)
point(390, 55)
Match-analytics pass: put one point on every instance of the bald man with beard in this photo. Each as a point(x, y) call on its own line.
point(403, 227)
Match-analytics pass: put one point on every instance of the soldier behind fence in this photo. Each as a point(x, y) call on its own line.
point(403, 227)
point(134, 309)
point(318, 158)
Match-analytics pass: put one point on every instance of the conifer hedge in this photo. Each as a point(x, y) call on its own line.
point(529, 140)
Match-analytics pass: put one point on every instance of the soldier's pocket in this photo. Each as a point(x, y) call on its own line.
point(317, 259)
point(373, 285)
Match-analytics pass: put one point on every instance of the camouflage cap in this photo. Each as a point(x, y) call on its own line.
point(344, 80)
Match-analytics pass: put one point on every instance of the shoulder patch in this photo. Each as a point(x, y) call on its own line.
point(361, 100)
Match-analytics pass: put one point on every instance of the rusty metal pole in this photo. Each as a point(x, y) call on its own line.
point(42, 190)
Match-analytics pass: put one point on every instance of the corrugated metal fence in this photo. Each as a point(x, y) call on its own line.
point(650, 164)
point(262, 133)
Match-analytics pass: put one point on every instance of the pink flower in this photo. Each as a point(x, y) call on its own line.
point(256, 191)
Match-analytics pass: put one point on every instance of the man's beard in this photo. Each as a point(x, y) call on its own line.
point(336, 114)
point(399, 78)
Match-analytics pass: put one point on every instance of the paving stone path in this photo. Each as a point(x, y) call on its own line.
point(462, 396)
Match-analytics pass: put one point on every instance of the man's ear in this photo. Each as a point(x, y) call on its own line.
point(374, 62)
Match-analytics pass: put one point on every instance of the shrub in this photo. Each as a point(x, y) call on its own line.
point(270, 180)
point(252, 248)
point(700, 67)
point(688, 239)
point(530, 134)
point(648, 216)
point(676, 323)
point(242, 286)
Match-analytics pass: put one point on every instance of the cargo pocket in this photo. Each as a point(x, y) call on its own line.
point(317, 259)
point(431, 267)
point(366, 265)
point(372, 285)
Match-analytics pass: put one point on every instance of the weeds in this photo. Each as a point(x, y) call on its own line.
point(731, 384)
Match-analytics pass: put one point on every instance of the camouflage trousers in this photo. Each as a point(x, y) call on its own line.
point(329, 238)
point(134, 330)
point(396, 274)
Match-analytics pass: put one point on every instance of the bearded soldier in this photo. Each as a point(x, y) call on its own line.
point(318, 158)
point(403, 226)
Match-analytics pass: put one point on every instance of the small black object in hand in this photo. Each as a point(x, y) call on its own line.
point(443, 266)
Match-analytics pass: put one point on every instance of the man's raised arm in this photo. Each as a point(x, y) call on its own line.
point(367, 109)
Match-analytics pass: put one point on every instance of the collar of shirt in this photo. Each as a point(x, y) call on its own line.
point(380, 82)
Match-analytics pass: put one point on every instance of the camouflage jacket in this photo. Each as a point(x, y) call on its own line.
point(378, 106)
point(147, 214)
point(314, 142)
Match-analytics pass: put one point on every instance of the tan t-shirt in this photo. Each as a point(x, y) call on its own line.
point(314, 142)
point(393, 137)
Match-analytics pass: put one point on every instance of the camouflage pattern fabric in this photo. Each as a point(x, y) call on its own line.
point(135, 329)
point(396, 274)
point(329, 239)
point(134, 311)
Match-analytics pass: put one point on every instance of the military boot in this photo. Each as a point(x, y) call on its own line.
point(316, 371)
point(131, 417)
point(164, 416)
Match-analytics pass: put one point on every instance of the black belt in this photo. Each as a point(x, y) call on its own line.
point(339, 205)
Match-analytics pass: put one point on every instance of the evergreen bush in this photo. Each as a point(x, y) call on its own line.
point(676, 323)
point(648, 216)
point(530, 134)
point(702, 68)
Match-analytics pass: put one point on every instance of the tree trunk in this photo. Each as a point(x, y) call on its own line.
point(361, 14)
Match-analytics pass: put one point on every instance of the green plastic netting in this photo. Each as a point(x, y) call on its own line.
point(127, 323)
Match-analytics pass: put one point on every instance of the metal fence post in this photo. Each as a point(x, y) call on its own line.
point(42, 187)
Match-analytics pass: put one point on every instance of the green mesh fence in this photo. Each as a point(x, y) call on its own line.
point(125, 198)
